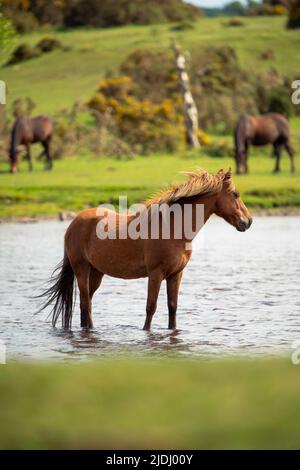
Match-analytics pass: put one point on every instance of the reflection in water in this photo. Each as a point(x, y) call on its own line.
point(239, 295)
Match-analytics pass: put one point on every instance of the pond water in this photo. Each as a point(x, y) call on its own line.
point(240, 295)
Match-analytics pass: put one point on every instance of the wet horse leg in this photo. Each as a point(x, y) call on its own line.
point(173, 285)
point(94, 281)
point(29, 158)
point(82, 273)
point(290, 151)
point(154, 283)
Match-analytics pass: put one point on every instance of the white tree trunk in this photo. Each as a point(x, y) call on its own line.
point(190, 109)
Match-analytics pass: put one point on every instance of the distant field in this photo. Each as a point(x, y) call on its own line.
point(58, 79)
point(151, 404)
point(78, 183)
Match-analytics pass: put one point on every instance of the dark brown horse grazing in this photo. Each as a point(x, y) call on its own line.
point(27, 131)
point(262, 130)
point(88, 257)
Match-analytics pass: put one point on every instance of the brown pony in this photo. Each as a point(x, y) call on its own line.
point(262, 130)
point(89, 258)
point(27, 131)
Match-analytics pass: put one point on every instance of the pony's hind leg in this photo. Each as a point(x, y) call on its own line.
point(154, 283)
point(173, 285)
point(82, 273)
point(290, 151)
point(94, 281)
point(245, 162)
point(277, 154)
point(46, 145)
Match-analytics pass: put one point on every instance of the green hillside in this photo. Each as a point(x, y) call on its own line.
point(57, 79)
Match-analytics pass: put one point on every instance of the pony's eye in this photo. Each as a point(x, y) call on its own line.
point(236, 194)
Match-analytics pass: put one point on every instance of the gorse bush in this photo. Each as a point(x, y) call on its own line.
point(270, 8)
point(152, 72)
point(146, 126)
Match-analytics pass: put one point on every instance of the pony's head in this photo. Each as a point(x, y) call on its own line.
point(13, 159)
point(229, 204)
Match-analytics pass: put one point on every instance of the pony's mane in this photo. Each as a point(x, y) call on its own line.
point(198, 183)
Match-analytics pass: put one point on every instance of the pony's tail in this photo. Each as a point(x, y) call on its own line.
point(61, 293)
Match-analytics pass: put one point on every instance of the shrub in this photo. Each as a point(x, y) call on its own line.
point(280, 102)
point(294, 15)
point(279, 10)
point(25, 52)
point(270, 7)
point(218, 69)
point(23, 21)
point(267, 54)
point(152, 72)
point(146, 126)
point(22, 53)
point(48, 44)
point(184, 25)
point(219, 149)
point(7, 36)
point(234, 22)
point(120, 12)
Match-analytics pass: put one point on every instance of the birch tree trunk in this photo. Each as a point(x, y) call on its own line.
point(190, 109)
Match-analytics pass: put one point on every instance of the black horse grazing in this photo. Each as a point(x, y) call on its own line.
point(27, 131)
point(262, 130)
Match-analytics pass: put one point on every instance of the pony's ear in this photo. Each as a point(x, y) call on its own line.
point(221, 172)
point(228, 175)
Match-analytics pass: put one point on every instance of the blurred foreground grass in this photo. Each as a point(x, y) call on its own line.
point(151, 403)
point(77, 183)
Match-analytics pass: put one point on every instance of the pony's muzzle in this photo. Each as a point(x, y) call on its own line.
point(244, 225)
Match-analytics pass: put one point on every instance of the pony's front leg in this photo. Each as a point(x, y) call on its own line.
point(173, 285)
point(154, 283)
point(29, 158)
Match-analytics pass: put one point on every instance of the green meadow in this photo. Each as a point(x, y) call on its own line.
point(151, 404)
point(77, 183)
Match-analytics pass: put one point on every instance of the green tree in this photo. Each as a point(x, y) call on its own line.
point(294, 15)
point(234, 8)
point(7, 35)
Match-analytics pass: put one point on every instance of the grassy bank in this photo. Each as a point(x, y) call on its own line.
point(81, 182)
point(151, 404)
point(73, 74)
